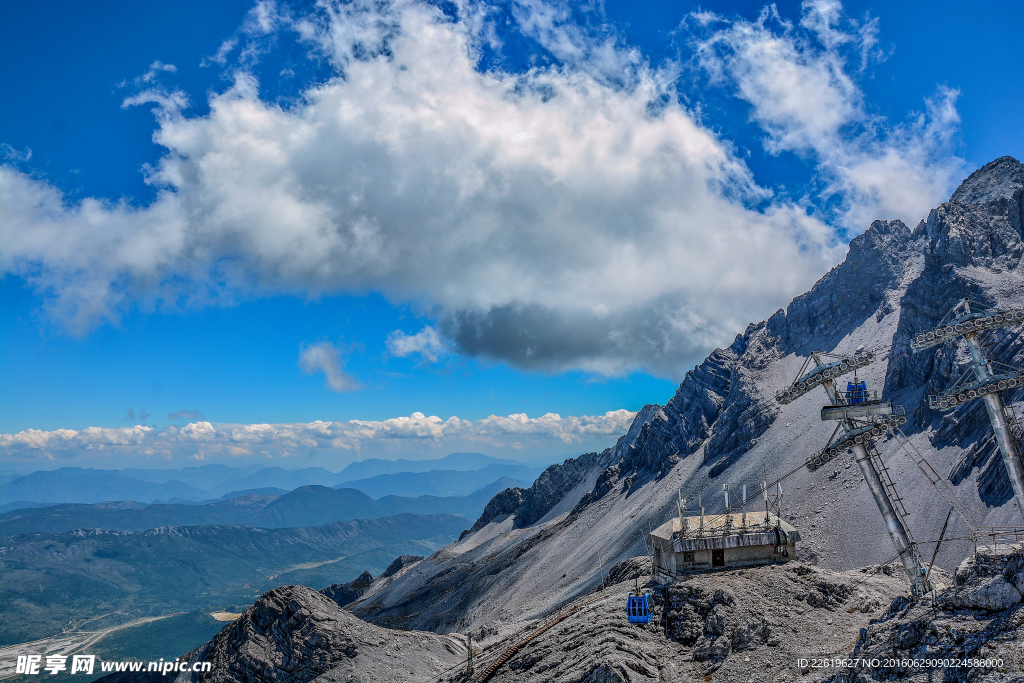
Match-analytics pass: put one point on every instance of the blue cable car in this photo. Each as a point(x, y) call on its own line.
point(856, 392)
point(638, 608)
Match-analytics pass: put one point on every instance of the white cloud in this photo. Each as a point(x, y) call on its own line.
point(556, 218)
point(801, 92)
point(426, 343)
point(325, 357)
point(418, 431)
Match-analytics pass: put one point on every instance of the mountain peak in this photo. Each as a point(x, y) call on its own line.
point(998, 181)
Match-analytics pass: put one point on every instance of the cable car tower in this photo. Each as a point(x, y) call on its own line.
point(989, 380)
point(861, 419)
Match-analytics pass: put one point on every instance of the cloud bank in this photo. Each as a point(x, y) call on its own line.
point(570, 216)
point(416, 433)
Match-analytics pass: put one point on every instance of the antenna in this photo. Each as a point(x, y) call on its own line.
point(989, 380)
point(701, 505)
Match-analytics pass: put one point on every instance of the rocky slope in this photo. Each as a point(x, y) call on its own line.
point(296, 634)
point(747, 625)
point(586, 514)
point(980, 617)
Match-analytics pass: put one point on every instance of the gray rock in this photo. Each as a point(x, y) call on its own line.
point(602, 673)
point(345, 593)
point(400, 563)
point(627, 570)
point(990, 594)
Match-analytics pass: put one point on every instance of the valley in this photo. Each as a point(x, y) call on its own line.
point(56, 581)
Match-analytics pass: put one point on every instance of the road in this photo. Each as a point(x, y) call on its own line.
point(63, 644)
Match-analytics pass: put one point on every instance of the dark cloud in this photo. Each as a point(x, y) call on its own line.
point(547, 339)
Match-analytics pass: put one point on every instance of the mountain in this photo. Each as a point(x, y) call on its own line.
point(265, 491)
point(202, 477)
point(317, 503)
point(296, 634)
point(540, 546)
point(211, 482)
point(269, 508)
point(371, 467)
point(130, 515)
point(439, 482)
point(277, 477)
point(76, 485)
point(51, 580)
point(471, 506)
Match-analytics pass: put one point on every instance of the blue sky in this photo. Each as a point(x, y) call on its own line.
point(220, 215)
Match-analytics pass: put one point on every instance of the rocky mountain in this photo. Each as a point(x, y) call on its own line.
point(296, 634)
point(584, 515)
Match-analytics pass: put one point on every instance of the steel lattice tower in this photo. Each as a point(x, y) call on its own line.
point(989, 381)
point(860, 421)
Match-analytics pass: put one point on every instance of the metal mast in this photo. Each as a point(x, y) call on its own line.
point(861, 421)
point(989, 381)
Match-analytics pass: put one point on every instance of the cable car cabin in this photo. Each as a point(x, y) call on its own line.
point(856, 392)
point(638, 608)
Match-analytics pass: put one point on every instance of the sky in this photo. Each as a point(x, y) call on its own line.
point(306, 233)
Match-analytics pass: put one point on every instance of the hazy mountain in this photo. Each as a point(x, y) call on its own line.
point(130, 516)
point(277, 477)
point(202, 477)
point(76, 485)
point(20, 504)
point(266, 491)
point(371, 467)
point(455, 505)
point(317, 503)
point(439, 482)
point(306, 506)
point(50, 580)
point(211, 482)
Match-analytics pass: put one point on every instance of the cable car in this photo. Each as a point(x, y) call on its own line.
point(856, 392)
point(638, 608)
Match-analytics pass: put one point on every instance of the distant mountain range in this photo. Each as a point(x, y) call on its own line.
point(75, 485)
point(440, 477)
point(461, 462)
point(439, 482)
point(306, 506)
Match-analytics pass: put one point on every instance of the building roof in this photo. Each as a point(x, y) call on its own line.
point(719, 533)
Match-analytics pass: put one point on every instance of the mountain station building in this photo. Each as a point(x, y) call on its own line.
point(685, 545)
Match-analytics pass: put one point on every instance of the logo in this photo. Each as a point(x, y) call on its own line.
point(31, 664)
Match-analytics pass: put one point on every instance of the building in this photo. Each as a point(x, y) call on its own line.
point(692, 544)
